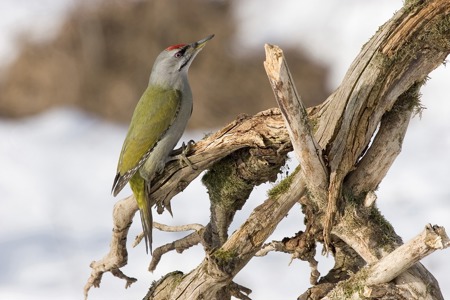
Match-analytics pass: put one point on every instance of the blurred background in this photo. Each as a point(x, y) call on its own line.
point(71, 72)
point(100, 57)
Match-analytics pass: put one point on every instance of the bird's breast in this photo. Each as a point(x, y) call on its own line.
point(168, 141)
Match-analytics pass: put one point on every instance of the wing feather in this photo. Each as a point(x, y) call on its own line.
point(153, 115)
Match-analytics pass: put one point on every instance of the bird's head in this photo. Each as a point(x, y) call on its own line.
point(175, 60)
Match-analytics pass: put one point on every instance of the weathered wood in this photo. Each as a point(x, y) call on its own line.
point(219, 267)
point(399, 260)
point(306, 148)
point(296, 119)
point(402, 53)
point(378, 91)
point(117, 257)
point(391, 266)
point(386, 146)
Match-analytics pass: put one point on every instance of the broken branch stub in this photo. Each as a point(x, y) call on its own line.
point(309, 153)
point(375, 279)
point(297, 124)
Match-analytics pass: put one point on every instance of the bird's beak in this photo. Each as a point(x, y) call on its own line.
point(192, 51)
point(197, 46)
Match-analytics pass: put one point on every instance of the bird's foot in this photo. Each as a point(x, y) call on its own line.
point(181, 153)
point(186, 149)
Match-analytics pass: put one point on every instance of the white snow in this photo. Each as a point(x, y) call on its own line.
point(57, 170)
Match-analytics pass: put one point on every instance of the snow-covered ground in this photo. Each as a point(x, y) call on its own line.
point(57, 169)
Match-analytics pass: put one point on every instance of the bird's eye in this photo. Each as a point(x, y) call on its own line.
point(178, 55)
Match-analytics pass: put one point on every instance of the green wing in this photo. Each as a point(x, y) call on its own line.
point(153, 115)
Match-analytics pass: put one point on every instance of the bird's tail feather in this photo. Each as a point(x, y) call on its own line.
point(138, 186)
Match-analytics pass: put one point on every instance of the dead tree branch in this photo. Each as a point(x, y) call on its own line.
point(261, 132)
point(372, 281)
point(294, 113)
point(339, 171)
point(117, 257)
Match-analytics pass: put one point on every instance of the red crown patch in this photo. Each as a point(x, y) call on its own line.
point(178, 46)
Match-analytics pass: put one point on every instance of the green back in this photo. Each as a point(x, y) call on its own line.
point(153, 114)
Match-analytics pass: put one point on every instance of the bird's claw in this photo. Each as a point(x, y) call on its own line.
point(181, 153)
point(185, 150)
